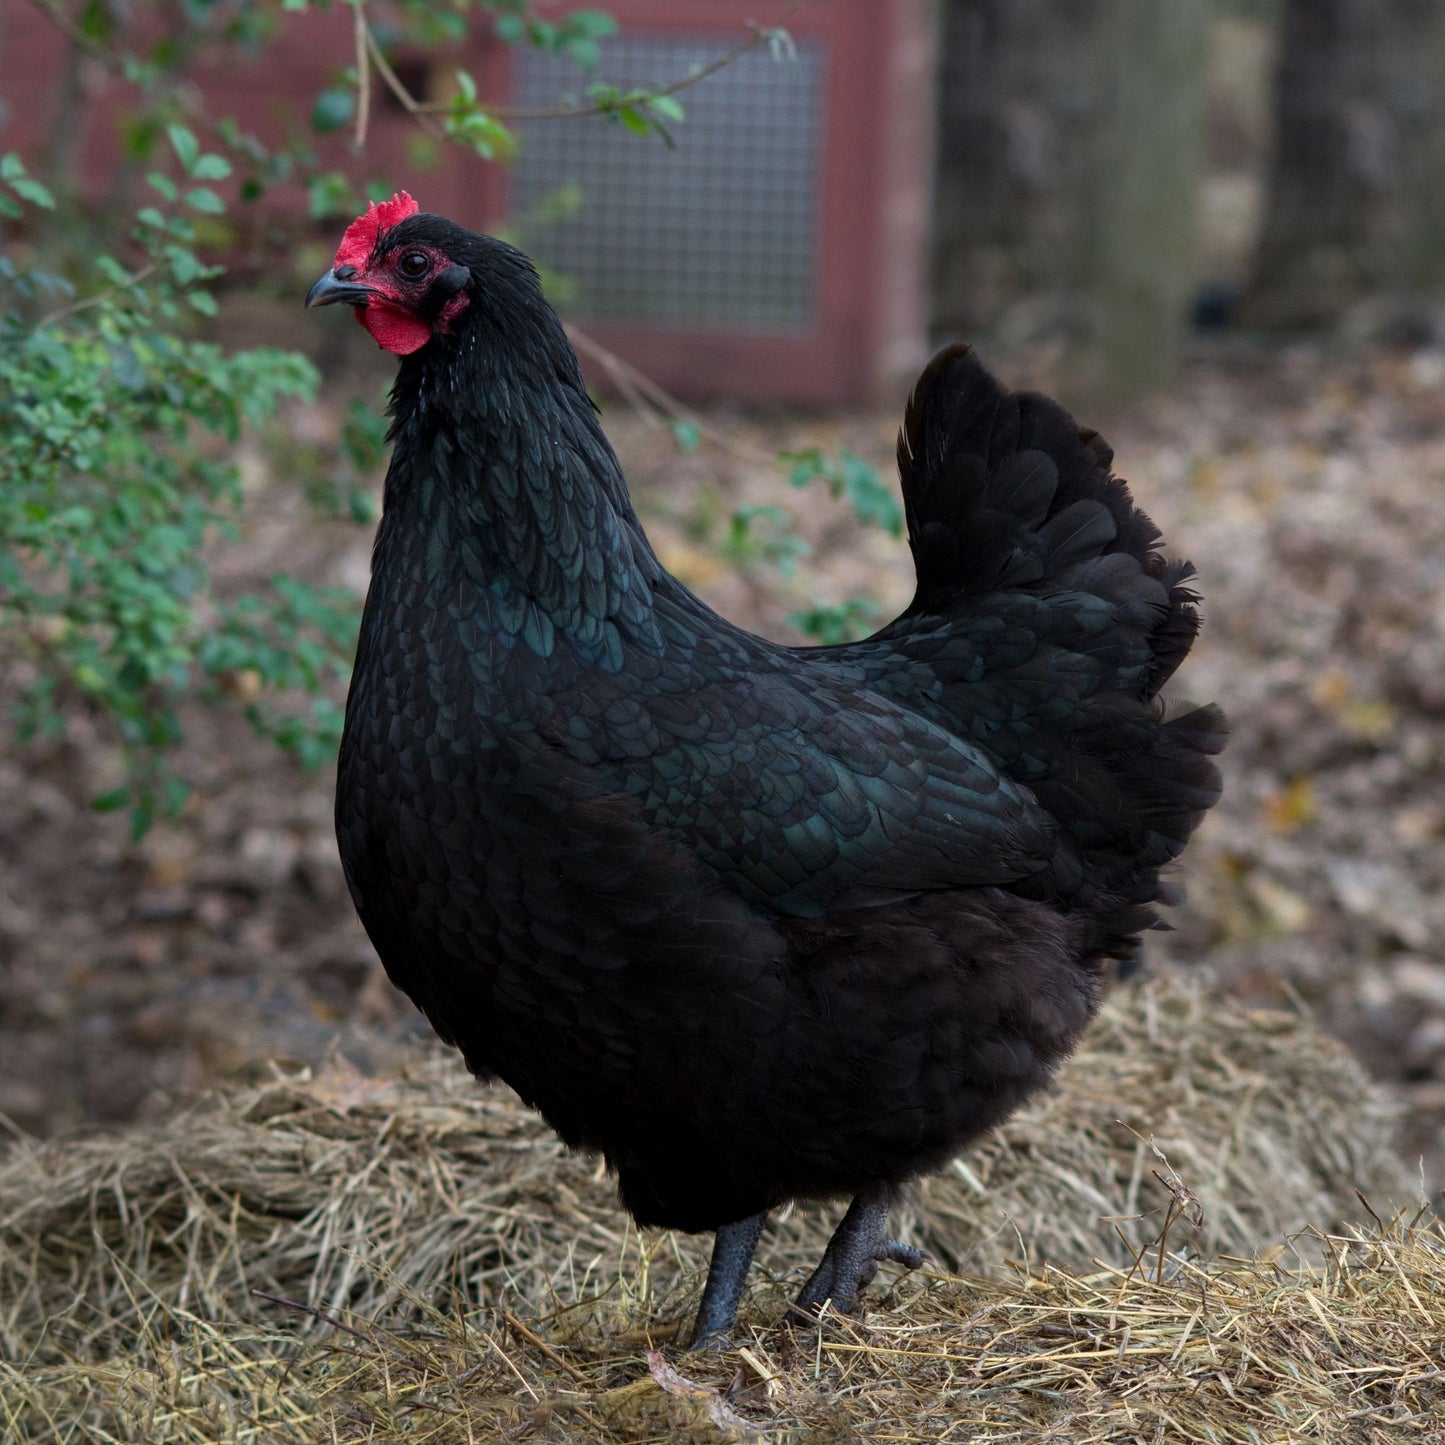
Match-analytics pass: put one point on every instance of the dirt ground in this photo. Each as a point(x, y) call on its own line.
point(1309, 490)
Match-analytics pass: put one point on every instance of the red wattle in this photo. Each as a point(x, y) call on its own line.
point(392, 328)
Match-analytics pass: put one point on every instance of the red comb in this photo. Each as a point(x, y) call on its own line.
point(356, 245)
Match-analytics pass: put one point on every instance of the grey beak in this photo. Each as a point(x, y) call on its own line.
point(329, 289)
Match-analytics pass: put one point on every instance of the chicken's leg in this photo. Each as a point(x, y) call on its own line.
point(852, 1256)
point(732, 1257)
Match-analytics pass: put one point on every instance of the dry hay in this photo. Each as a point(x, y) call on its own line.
point(450, 1273)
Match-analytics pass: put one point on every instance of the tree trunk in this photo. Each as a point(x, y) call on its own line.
point(1356, 207)
point(1070, 152)
point(1135, 264)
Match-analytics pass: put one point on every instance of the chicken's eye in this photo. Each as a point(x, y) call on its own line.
point(414, 264)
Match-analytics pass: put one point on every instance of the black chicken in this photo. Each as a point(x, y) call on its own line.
point(757, 922)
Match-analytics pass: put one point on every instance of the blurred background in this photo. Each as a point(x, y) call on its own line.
point(1214, 228)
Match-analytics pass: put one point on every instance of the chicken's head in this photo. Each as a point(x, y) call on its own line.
point(397, 275)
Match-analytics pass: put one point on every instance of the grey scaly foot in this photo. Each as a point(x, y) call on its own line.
point(732, 1257)
point(852, 1257)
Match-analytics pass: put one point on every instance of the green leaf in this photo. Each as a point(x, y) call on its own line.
point(489, 138)
point(668, 107)
point(333, 109)
point(211, 167)
point(634, 120)
point(832, 623)
point(874, 501)
point(203, 302)
point(164, 185)
point(331, 194)
point(186, 268)
point(774, 542)
point(686, 434)
point(596, 24)
point(111, 801)
point(33, 192)
point(579, 34)
point(206, 201)
point(185, 145)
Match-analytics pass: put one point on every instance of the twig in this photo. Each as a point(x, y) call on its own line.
point(63, 23)
point(649, 399)
point(643, 394)
point(506, 1360)
point(408, 101)
point(1379, 1223)
point(180, 96)
point(362, 34)
point(1172, 1213)
point(562, 112)
point(538, 1343)
point(86, 302)
point(315, 1313)
point(625, 377)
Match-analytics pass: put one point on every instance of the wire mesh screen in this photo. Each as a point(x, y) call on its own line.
point(721, 230)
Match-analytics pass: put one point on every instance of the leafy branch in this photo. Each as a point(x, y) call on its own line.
point(114, 419)
point(110, 417)
point(853, 479)
point(483, 124)
point(606, 99)
point(126, 282)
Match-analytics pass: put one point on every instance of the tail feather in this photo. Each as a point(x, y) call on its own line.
point(1050, 620)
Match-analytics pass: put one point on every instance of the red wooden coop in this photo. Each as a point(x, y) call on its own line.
point(776, 252)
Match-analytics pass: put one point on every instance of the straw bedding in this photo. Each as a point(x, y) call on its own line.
point(1167, 1247)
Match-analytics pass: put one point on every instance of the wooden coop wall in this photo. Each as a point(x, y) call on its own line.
point(776, 254)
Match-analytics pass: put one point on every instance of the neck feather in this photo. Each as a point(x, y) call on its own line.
point(507, 499)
